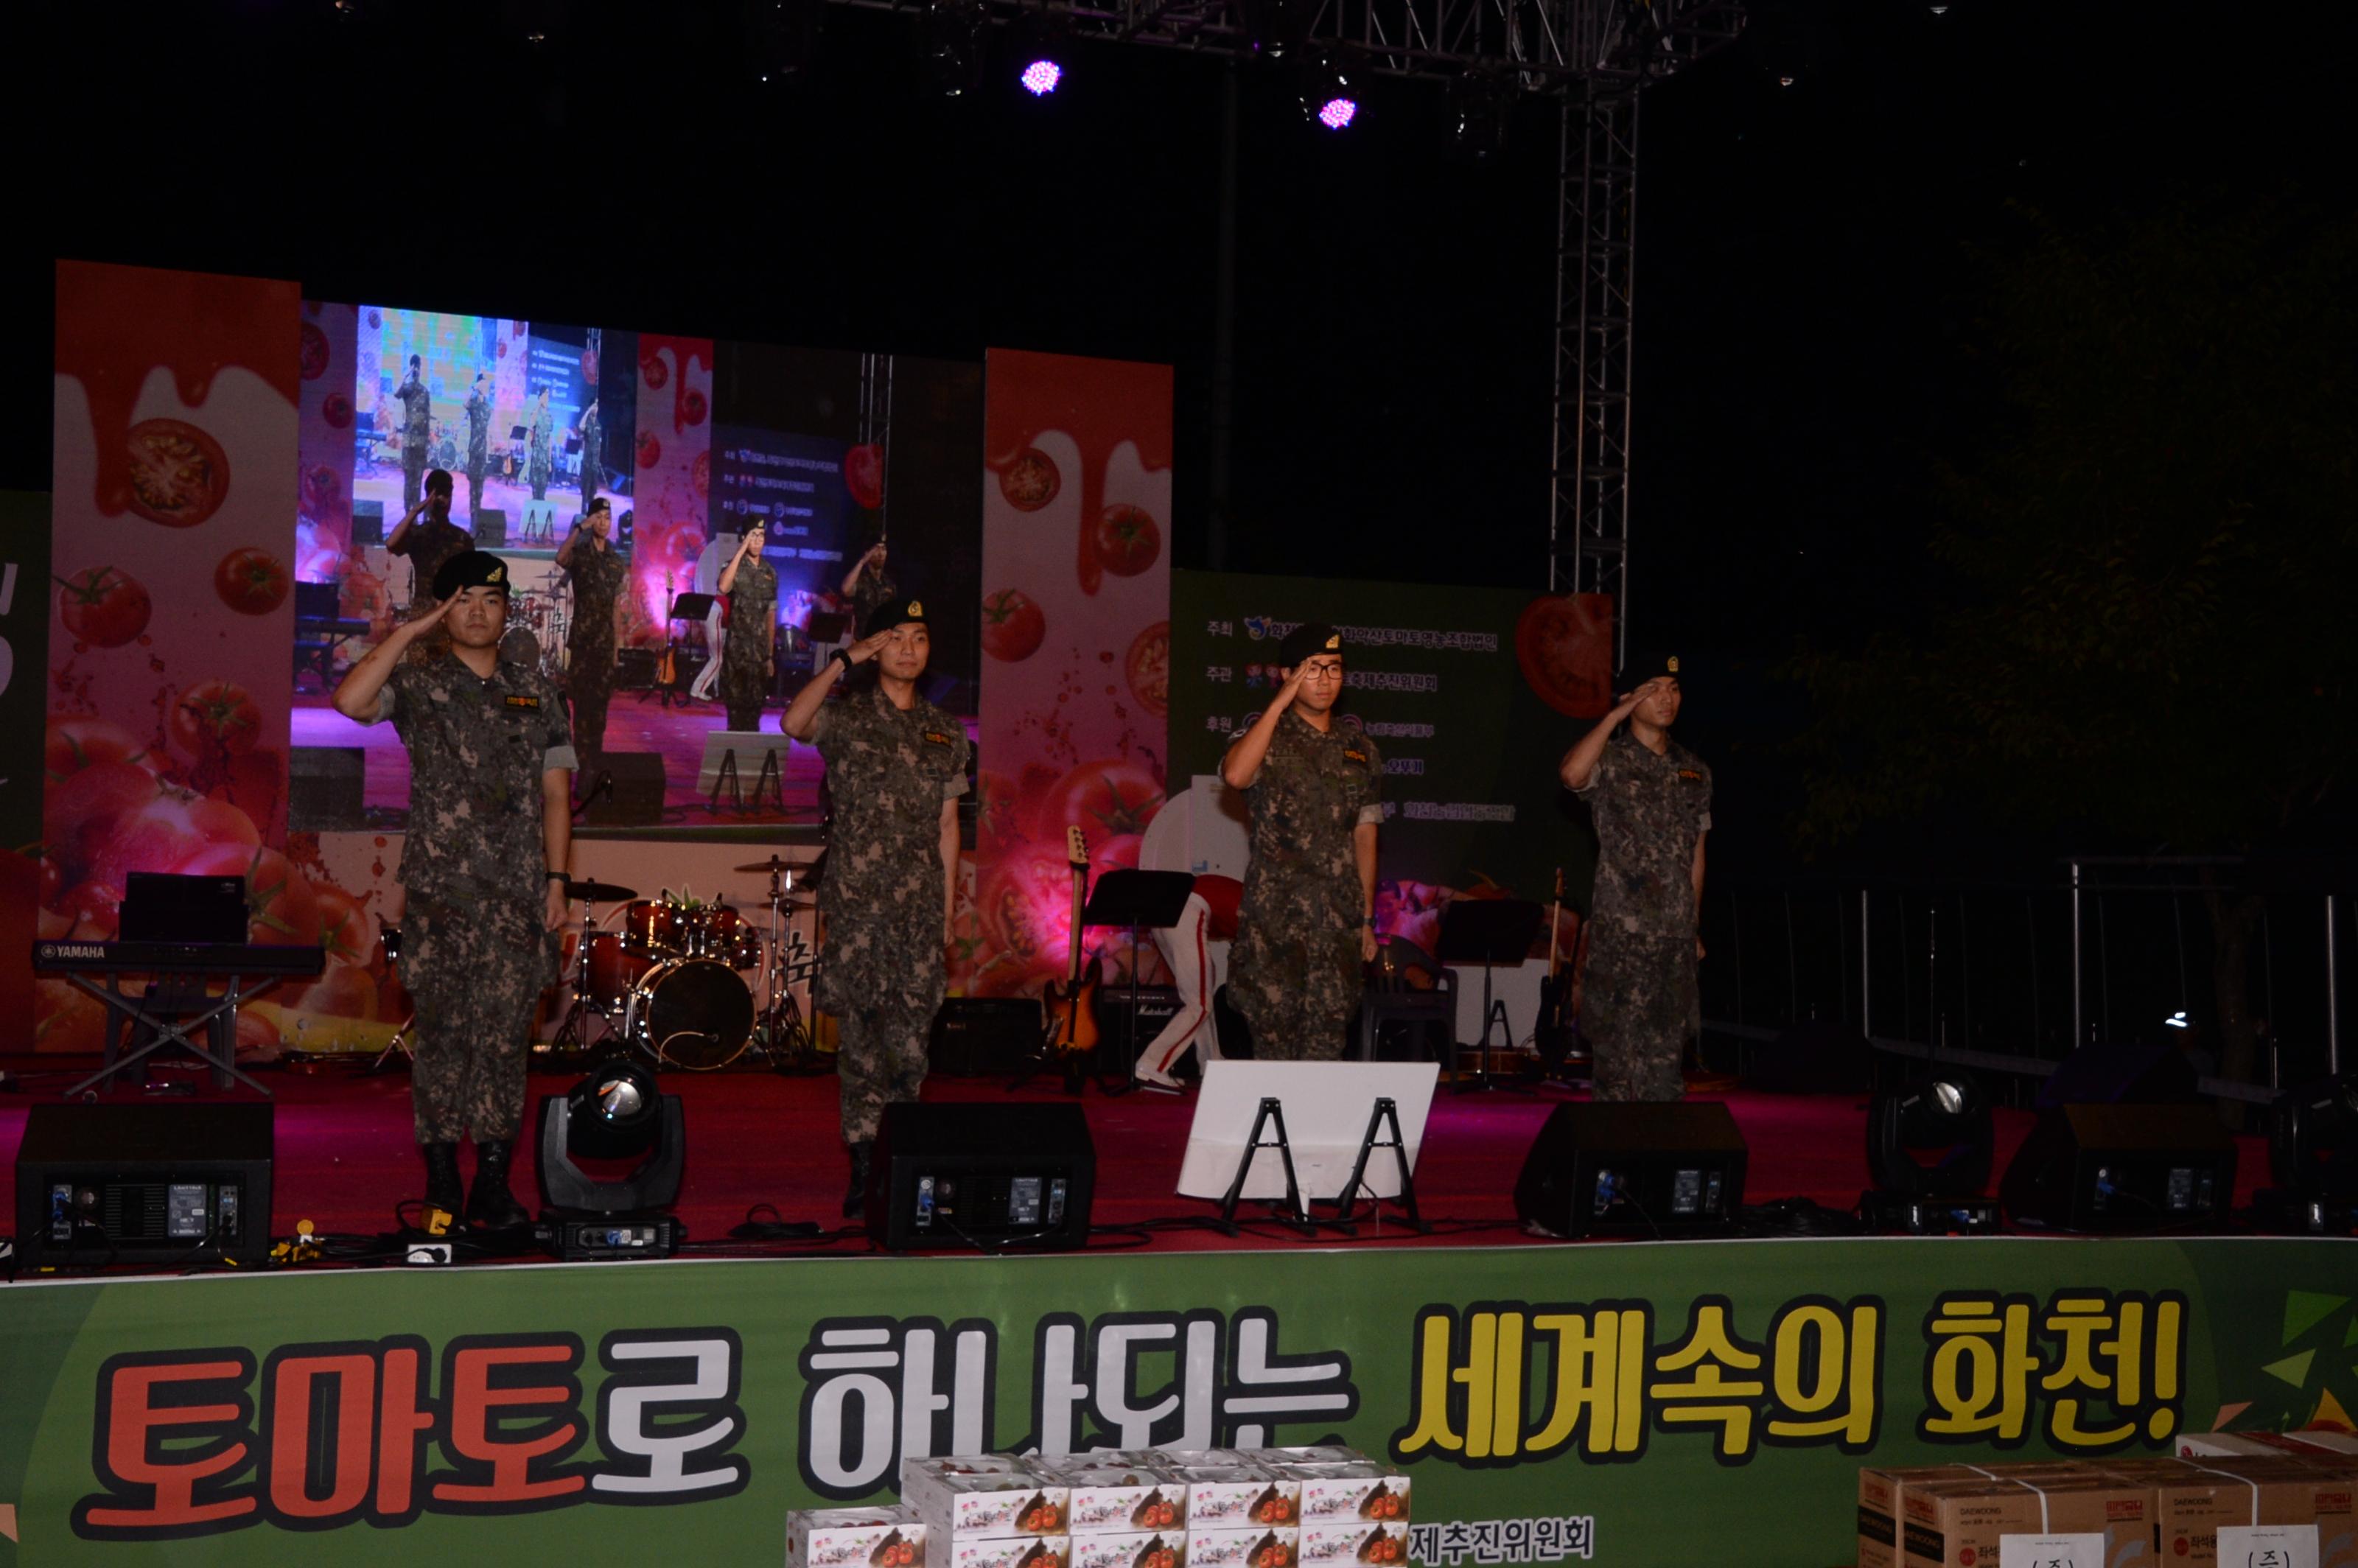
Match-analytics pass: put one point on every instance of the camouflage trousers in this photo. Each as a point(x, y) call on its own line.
point(475, 974)
point(590, 686)
point(744, 683)
point(413, 479)
point(1297, 993)
point(474, 491)
point(1639, 1009)
point(880, 1057)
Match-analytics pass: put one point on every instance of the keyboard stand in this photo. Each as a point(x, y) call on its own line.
point(129, 1010)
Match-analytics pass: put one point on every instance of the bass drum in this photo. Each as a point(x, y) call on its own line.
point(695, 1013)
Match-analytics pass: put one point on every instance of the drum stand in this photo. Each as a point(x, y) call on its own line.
point(573, 1039)
point(781, 1029)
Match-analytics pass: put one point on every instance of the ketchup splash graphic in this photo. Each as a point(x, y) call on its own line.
point(1100, 404)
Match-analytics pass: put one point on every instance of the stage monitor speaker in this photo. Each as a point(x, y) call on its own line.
point(980, 1037)
point(981, 1176)
point(490, 527)
point(368, 522)
point(2120, 1075)
point(324, 788)
point(143, 1183)
point(2122, 1167)
point(635, 797)
point(1633, 1169)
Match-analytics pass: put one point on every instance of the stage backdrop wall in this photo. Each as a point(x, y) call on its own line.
point(24, 659)
point(1075, 641)
point(1644, 1405)
point(1462, 690)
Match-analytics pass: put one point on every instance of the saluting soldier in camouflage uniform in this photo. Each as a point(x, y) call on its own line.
point(489, 783)
point(597, 570)
point(1313, 786)
point(592, 470)
point(416, 430)
point(895, 767)
point(868, 584)
point(749, 656)
point(428, 537)
point(537, 460)
point(479, 442)
point(1651, 799)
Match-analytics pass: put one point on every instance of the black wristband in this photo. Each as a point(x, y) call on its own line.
point(843, 657)
point(558, 876)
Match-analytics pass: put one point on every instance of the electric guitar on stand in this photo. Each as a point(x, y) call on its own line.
point(1070, 1004)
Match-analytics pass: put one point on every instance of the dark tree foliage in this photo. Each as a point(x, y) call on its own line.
point(2142, 634)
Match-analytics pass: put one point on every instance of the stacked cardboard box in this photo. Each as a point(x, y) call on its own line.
point(2324, 1448)
point(1241, 1512)
point(988, 1510)
point(1954, 1516)
point(887, 1537)
point(1123, 1510)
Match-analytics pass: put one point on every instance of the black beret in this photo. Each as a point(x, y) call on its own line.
point(1310, 637)
point(1648, 664)
point(470, 568)
point(893, 613)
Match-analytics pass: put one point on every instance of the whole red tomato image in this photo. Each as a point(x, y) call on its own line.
point(1012, 626)
point(1030, 481)
point(345, 930)
point(863, 475)
point(652, 370)
point(361, 596)
point(280, 907)
point(1111, 796)
point(94, 910)
point(700, 478)
point(315, 352)
point(79, 813)
point(336, 409)
point(103, 606)
point(73, 744)
point(589, 367)
point(1564, 644)
point(998, 815)
point(500, 350)
point(1127, 540)
point(650, 450)
point(692, 407)
point(215, 717)
point(250, 581)
point(164, 830)
point(323, 492)
point(1026, 908)
point(1148, 667)
point(179, 475)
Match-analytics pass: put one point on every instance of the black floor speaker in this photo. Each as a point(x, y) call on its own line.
point(143, 1183)
point(985, 1036)
point(2122, 1167)
point(1642, 1169)
point(323, 789)
point(989, 1177)
point(633, 798)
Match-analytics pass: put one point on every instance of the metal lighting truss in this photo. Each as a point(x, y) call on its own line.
point(1594, 56)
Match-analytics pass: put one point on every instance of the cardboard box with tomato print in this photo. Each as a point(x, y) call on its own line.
point(1131, 1549)
point(1352, 1543)
point(888, 1537)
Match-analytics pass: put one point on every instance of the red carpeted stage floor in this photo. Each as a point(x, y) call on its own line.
point(345, 1154)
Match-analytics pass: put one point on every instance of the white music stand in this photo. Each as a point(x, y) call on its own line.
point(1304, 1132)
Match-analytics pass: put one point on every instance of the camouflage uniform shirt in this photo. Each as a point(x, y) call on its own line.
point(538, 459)
point(428, 544)
point(1640, 1004)
point(597, 576)
point(479, 432)
point(888, 770)
point(416, 420)
point(1294, 972)
point(476, 751)
point(752, 612)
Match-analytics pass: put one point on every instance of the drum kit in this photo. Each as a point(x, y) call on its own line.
point(665, 977)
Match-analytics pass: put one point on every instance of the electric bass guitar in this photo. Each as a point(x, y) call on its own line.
point(1070, 1005)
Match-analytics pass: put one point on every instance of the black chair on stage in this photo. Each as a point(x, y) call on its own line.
point(1406, 986)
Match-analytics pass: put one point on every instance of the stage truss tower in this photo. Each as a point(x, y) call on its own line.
point(1593, 56)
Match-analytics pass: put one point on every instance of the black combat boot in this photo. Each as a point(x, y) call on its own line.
point(491, 1206)
point(444, 1190)
point(855, 1196)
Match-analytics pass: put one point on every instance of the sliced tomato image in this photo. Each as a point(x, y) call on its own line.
point(179, 475)
point(1147, 667)
point(1030, 480)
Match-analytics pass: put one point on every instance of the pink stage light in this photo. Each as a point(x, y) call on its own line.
point(1040, 77)
point(1337, 112)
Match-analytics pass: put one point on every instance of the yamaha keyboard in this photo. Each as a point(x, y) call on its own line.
point(178, 958)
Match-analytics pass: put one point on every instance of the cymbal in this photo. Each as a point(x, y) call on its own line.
point(807, 870)
point(592, 891)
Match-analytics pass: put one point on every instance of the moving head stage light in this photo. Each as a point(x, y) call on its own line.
point(615, 1113)
point(1929, 1148)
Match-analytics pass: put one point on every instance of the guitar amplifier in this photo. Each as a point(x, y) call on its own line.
point(1125, 1033)
point(982, 1037)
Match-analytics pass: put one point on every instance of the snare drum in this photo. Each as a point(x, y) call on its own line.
point(691, 1013)
point(655, 927)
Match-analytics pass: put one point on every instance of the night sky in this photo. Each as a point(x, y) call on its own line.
point(1807, 281)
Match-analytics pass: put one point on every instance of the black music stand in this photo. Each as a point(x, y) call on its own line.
point(692, 607)
point(1487, 931)
point(1144, 901)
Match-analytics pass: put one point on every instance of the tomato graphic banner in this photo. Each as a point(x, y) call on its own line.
point(1075, 644)
point(172, 538)
point(1470, 695)
point(1648, 1405)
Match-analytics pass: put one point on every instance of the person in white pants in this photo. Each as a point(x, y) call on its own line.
point(1196, 951)
point(716, 553)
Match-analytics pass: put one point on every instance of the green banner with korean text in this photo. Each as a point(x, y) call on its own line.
point(1656, 1404)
